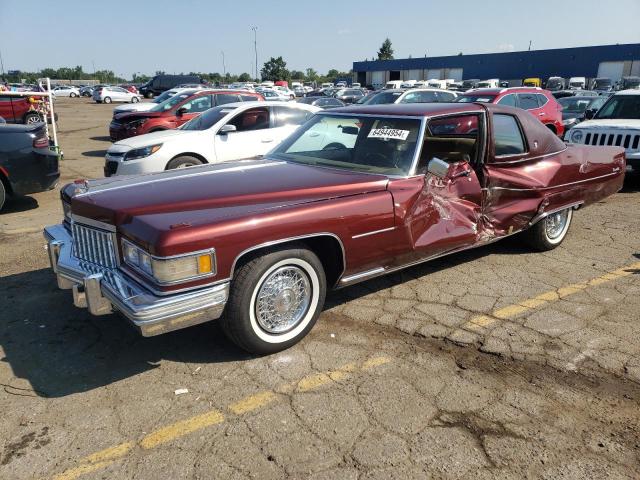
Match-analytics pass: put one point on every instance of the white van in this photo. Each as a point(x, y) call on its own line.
point(442, 84)
point(393, 84)
point(577, 83)
point(491, 83)
point(409, 84)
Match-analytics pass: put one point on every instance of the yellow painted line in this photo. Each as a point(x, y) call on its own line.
point(80, 470)
point(182, 428)
point(252, 402)
point(106, 457)
point(480, 322)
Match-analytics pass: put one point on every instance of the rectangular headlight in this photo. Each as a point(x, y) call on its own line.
point(169, 270)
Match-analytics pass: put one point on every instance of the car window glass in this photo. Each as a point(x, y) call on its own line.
point(420, 97)
point(290, 116)
point(508, 100)
point(542, 100)
point(527, 101)
point(248, 98)
point(252, 119)
point(222, 98)
point(198, 104)
point(507, 135)
point(452, 139)
point(445, 96)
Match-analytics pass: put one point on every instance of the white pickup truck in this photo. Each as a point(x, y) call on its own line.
point(616, 123)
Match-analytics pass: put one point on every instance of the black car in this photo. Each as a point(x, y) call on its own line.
point(575, 108)
point(348, 95)
point(26, 163)
point(318, 92)
point(322, 102)
point(469, 84)
point(162, 83)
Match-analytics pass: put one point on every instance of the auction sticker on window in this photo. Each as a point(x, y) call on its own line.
point(389, 133)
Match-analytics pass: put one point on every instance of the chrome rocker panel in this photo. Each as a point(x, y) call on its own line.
point(102, 291)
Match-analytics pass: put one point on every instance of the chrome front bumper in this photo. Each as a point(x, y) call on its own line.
point(103, 291)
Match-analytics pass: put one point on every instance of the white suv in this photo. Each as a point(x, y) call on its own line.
point(617, 123)
point(234, 131)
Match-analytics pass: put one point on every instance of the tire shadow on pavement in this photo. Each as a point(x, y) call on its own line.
point(55, 349)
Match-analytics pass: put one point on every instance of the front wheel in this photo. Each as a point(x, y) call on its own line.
point(31, 118)
point(183, 161)
point(3, 194)
point(107, 100)
point(275, 299)
point(549, 232)
point(72, 95)
point(135, 100)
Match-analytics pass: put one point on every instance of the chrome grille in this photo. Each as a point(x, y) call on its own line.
point(94, 245)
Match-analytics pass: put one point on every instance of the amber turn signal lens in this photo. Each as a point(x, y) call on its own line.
point(204, 263)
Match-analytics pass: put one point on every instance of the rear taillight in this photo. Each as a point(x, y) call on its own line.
point(41, 141)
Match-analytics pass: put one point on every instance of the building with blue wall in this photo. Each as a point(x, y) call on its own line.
point(613, 61)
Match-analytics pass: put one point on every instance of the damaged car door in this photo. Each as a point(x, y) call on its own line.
point(439, 210)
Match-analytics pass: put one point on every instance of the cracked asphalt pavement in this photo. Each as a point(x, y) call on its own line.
point(491, 364)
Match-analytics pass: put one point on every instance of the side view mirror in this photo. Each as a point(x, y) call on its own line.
point(589, 114)
point(438, 167)
point(182, 111)
point(226, 129)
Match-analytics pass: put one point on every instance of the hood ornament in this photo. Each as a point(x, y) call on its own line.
point(81, 186)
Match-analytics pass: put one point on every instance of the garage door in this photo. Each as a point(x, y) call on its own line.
point(377, 79)
point(433, 74)
point(456, 74)
point(635, 68)
point(612, 70)
point(414, 75)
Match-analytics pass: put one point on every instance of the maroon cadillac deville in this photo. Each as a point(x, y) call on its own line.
point(354, 193)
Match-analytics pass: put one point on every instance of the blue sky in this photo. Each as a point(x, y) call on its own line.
point(189, 35)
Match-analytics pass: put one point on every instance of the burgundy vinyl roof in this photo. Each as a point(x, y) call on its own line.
point(410, 109)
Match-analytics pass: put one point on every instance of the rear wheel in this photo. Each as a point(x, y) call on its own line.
point(107, 100)
point(31, 118)
point(183, 161)
point(148, 95)
point(549, 232)
point(275, 299)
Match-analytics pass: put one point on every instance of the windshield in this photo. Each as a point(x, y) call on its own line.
point(554, 83)
point(620, 106)
point(163, 96)
point(382, 98)
point(575, 104)
point(170, 103)
point(483, 84)
point(383, 145)
point(576, 84)
point(475, 98)
point(207, 119)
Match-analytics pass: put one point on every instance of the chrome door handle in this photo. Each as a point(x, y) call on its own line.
point(541, 114)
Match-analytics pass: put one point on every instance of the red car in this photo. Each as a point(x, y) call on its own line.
point(174, 111)
point(541, 103)
point(130, 88)
point(352, 194)
point(17, 110)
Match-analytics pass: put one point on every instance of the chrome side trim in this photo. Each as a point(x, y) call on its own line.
point(291, 239)
point(93, 223)
point(362, 275)
point(555, 186)
point(522, 160)
point(374, 232)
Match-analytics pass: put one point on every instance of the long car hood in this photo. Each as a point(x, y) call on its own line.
point(613, 123)
point(211, 193)
point(125, 117)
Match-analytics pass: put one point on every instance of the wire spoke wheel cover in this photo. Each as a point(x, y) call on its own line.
point(556, 224)
point(283, 299)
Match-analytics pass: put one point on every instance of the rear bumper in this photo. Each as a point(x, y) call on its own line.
point(103, 291)
point(37, 172)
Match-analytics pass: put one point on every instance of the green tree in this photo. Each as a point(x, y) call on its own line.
point(311, 74)
point(297, 75)
point(244, 77)
point(275, 69)
point(385, 52)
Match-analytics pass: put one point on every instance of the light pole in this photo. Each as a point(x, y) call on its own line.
point(224, 67)
point(255, 46)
